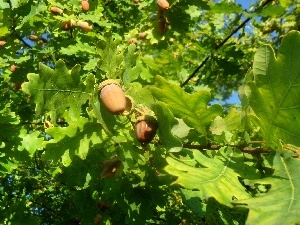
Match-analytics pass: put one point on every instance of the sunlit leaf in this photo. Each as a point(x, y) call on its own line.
point(192, 108)
point(275, 96)
point(56, 90)
point(281, 199)
point(215, 178)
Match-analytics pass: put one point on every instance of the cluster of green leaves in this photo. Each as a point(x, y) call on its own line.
point(65, 160)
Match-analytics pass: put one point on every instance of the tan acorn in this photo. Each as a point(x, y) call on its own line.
point(142, 35)
point(84, 25)
point(33, 37)
point(133, 41)
point(163, 5)
point(85, 5)
point(14, 68)
point(55, 10)
point(2, 43)
point(68, 25)
point(112, 96)
point(145, 129)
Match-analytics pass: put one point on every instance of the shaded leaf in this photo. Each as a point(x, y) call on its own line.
point(166, 122)
point(76, 139)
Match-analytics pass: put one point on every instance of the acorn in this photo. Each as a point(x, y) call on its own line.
point(55, 10)
point(145, 129)
point(162, 25)
point(13, 68)
point(2, 43)
point(163, 5)
point(142, 35)
point(84, 25)
point(33, 37)
point(85, 5)
point(112, 96)
point(68, 25)
point(133, 41)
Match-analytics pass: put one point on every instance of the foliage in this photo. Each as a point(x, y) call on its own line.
point(64, 159)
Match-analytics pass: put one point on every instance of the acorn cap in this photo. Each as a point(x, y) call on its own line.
point(129, 105)
point(108, 82)
point(149, 118)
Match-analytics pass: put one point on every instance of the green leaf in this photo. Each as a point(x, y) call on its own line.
point(224, 7)
point(275, 96)
point(273, 11)
point(56, 90)
point(215, 178)
point(76, 139)
point(132, 72)
point(79, 49)
point(283, 197)
point(111, 58)
point(166, 122)
point(35, 10)
point(30, 142)
point(193, 11)
point(192, 108)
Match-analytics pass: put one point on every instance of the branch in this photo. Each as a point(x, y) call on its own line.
point(222, 43)
point(249, 150)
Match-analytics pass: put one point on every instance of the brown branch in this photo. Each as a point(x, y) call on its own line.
point(222, 43)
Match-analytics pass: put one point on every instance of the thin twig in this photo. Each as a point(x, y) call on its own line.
point(222, 43)
point(250, 150)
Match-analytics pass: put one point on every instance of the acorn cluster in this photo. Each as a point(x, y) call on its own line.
point(117, 103)
point(68, 25)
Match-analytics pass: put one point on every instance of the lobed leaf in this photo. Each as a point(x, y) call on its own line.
point(192, 108)
point(76, 139)
point(215, 178)
point(56, 90)
point(275, 93)
point(279, 206)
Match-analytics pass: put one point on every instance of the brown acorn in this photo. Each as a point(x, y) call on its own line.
point(17, 86)
point(162, 24)
point(84, 25)
point(142, 35)
point(2, 43)
point(112, 96)
point(163, 5)
point(145, 129)
point(133, 41)
point(55, 10)
point(13, 68)
point(85, 5)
